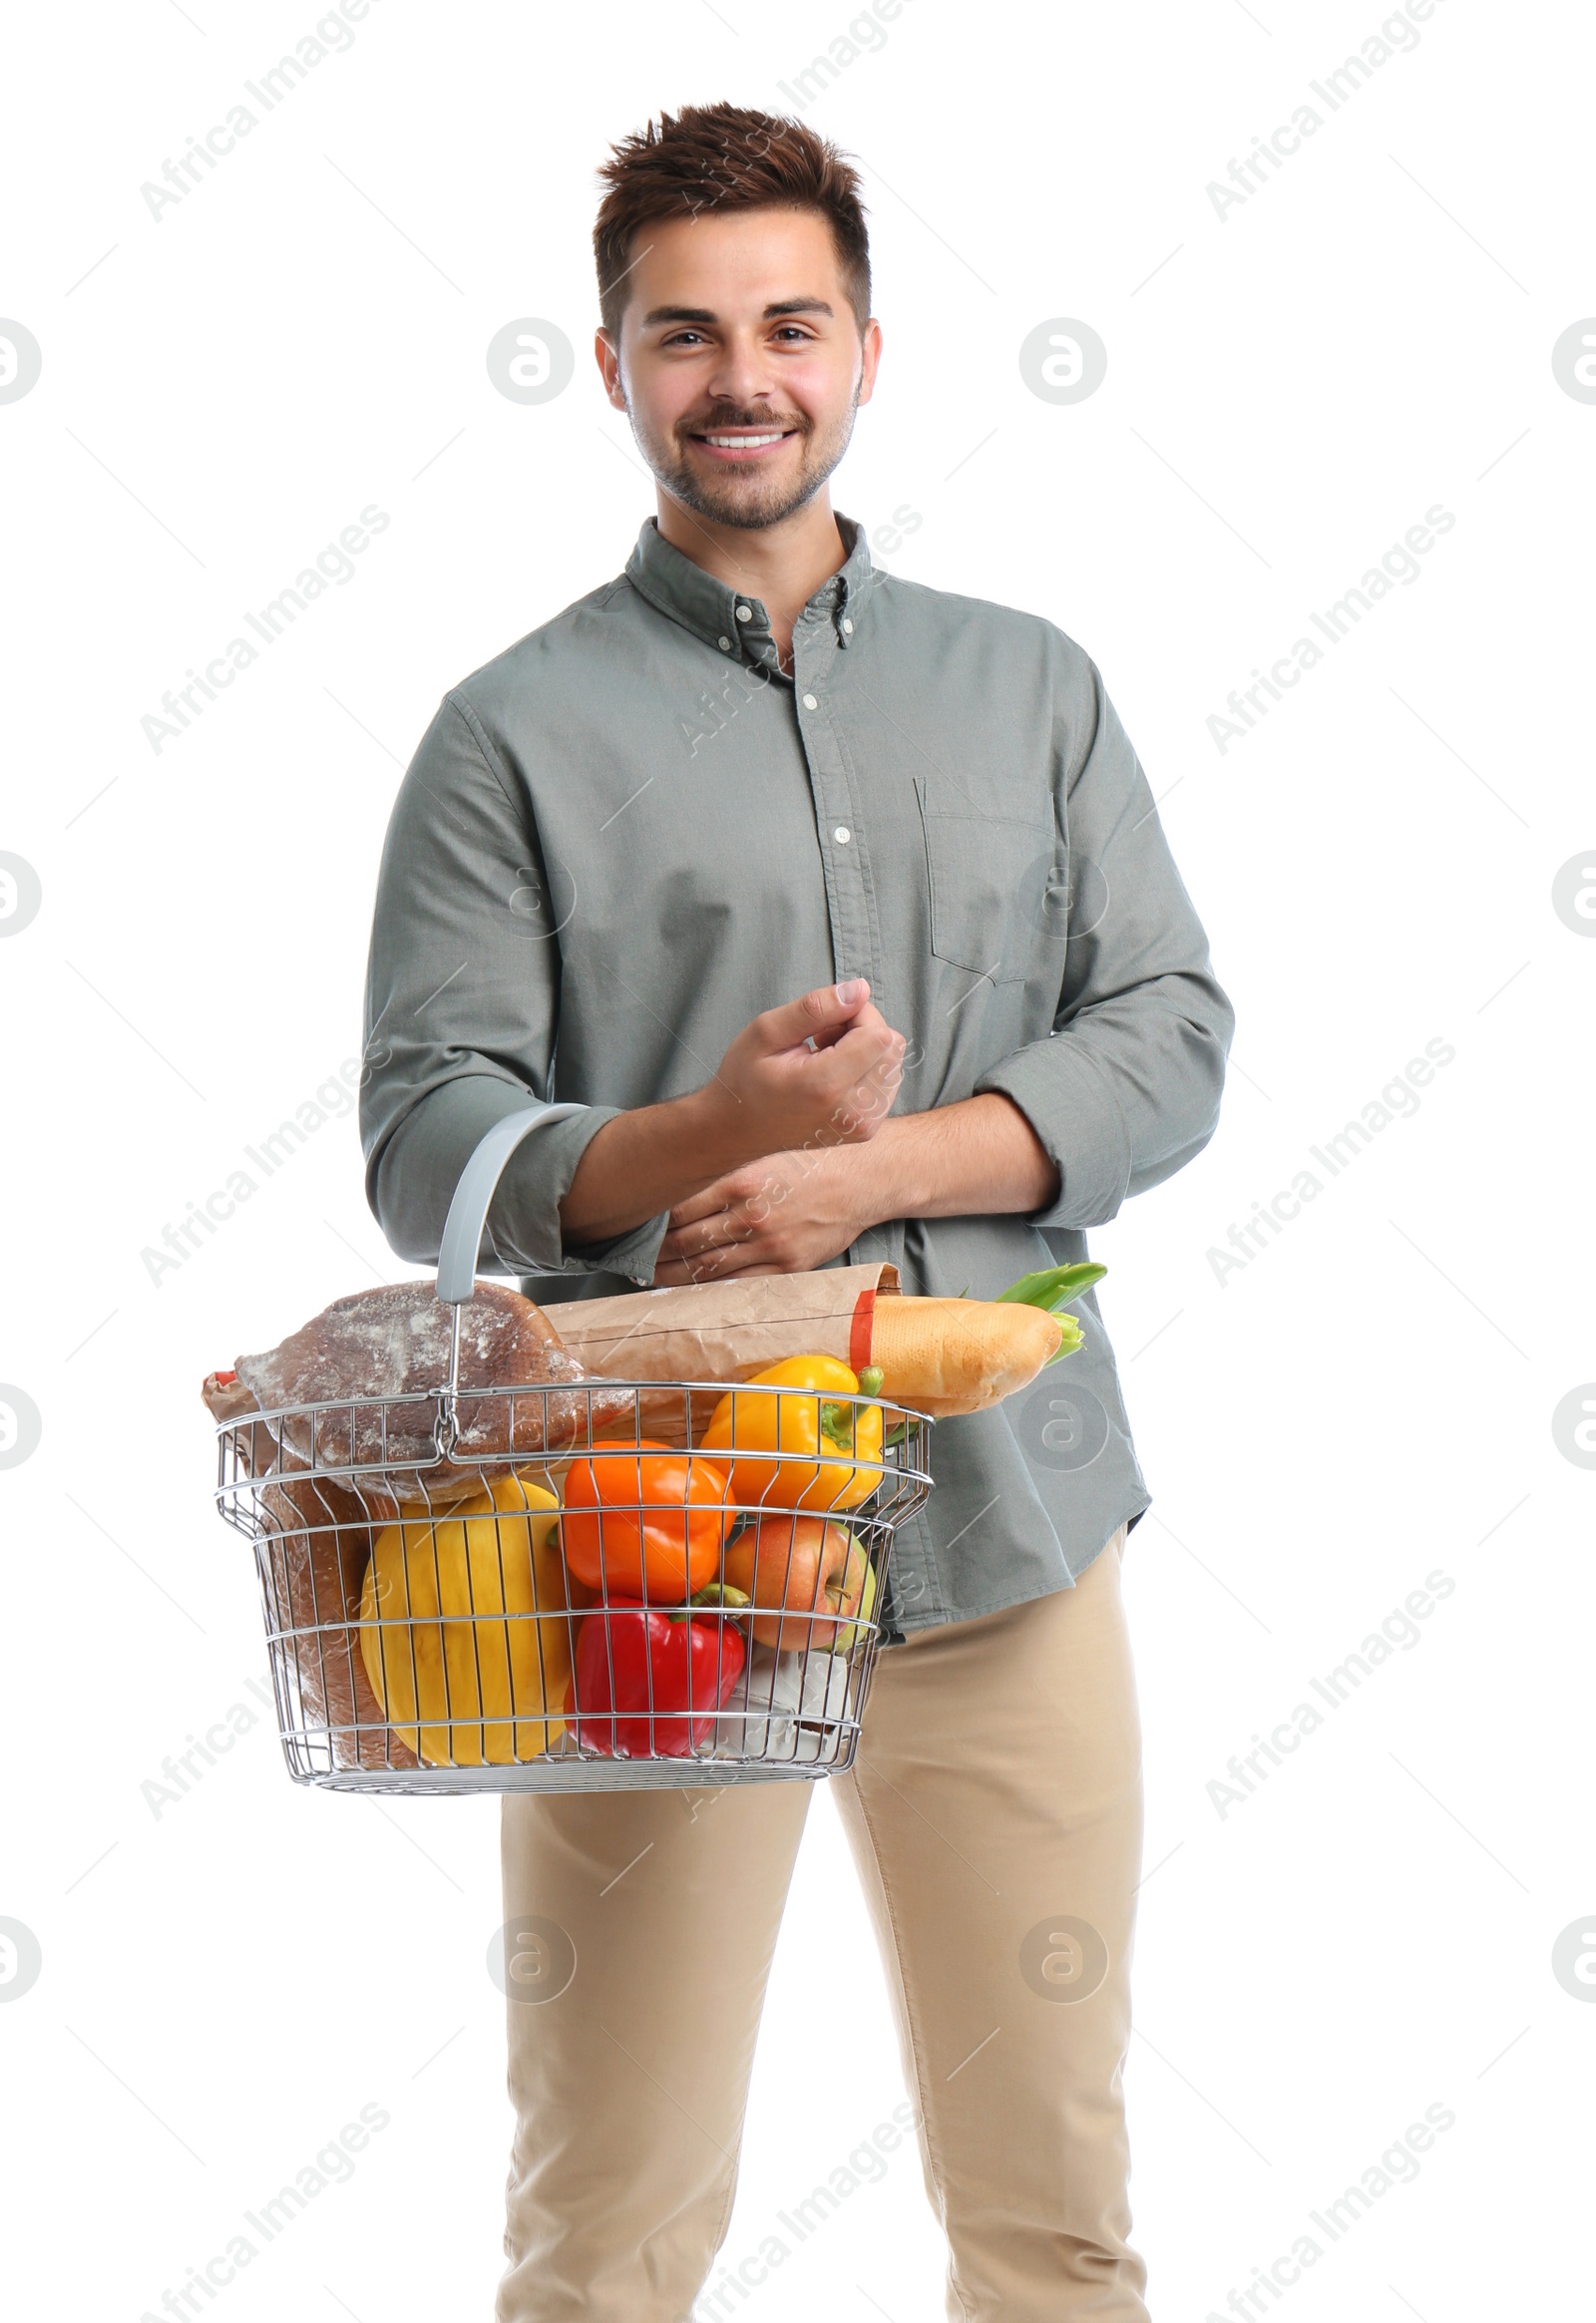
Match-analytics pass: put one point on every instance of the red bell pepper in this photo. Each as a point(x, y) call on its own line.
point(646, 1683)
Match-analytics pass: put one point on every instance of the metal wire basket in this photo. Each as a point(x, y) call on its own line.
point(443, 1620)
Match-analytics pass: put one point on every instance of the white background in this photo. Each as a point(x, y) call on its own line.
point(1289, 387)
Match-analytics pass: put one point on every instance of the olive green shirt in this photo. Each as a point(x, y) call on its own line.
point(632, 832)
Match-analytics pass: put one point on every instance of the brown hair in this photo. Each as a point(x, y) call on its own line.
point(724, 157)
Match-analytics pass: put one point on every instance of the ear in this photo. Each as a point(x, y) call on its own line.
point(869, 360)
point(608, 356)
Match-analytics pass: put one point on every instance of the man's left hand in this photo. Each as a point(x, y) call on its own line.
point(779, 1216)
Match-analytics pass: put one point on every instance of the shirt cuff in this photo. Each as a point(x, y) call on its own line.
point(416, 1178)
point(524, 1218)
point(1062, 1090)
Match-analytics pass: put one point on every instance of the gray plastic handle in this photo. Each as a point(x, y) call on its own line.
point(468, 1212)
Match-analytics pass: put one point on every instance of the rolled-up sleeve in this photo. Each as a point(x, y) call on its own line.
point(462, 1018)
point(1125, 1091)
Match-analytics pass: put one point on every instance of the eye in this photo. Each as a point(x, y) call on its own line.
point(678, 338)
point(794, 330)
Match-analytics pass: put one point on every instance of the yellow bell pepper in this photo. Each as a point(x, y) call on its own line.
point(830, 1439)
point(436, 1640)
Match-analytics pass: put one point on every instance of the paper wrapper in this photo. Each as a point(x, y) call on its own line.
point(362, 1352)
point(316, 1559)
point(723, 1330)
point(787, 1706)
point(315, 1556)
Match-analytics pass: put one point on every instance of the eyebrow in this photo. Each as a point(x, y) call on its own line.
point(780, 306)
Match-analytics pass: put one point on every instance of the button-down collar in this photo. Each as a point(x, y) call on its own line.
point(727, 619)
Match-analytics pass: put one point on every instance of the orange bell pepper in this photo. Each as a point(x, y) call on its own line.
point(640, 1521)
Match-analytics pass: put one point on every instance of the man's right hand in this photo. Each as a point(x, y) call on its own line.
point(821, 1071)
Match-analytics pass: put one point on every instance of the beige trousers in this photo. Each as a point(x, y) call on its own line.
point(993, 1812)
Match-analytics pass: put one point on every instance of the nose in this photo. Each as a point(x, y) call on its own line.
point(741, 374)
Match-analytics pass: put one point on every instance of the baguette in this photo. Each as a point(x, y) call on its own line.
point(945, 1356)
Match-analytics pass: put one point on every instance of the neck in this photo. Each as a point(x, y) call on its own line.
point(782, 564)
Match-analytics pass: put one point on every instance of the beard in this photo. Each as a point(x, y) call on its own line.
point(741, 497)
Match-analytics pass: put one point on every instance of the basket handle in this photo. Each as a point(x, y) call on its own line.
point(473, 1196)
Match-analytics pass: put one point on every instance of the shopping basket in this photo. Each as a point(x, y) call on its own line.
point(440, 1619)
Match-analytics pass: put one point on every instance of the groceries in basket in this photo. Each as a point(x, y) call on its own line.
point(620, 1540)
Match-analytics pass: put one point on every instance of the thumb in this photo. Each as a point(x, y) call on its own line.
point(825, 1012)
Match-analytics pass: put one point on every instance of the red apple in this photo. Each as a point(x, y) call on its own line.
point(817, 1574)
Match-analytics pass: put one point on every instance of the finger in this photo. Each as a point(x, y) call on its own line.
point(819, 1015)
point(675, 1274)
point(727, 1230)
point(871, 1029)
point(875, 1062)
point(671, 1275)
point(705, 1266)
point(704, 1204)
point(868, 1020)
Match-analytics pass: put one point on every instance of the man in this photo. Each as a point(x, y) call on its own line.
point(741, 850)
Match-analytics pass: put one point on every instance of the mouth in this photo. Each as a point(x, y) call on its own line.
point(736, 447)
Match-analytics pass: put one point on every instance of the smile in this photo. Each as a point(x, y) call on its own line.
point(735, 445)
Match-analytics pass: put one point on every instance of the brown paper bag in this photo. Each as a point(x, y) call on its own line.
point(722, 1331)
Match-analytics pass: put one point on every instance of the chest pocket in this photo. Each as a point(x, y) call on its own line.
point(996, 883)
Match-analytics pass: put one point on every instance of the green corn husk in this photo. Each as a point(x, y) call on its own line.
point(1055, 1286)
point(1052, 1289)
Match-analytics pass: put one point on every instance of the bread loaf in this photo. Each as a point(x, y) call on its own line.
point(395, 1341)
point(950, 1355)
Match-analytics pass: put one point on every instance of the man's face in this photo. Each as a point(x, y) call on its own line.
point(740, 363)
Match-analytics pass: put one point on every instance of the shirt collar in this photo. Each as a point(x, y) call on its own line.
point(731, 619)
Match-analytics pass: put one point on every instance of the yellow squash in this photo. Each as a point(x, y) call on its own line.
point(438, 1637)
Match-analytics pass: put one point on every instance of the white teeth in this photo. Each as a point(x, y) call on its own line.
point(743, 443)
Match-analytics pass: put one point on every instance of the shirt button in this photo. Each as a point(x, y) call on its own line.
point(745, 613)
point(847, 629)
point(842, 834)
point(810, 702)
point(726, 645)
